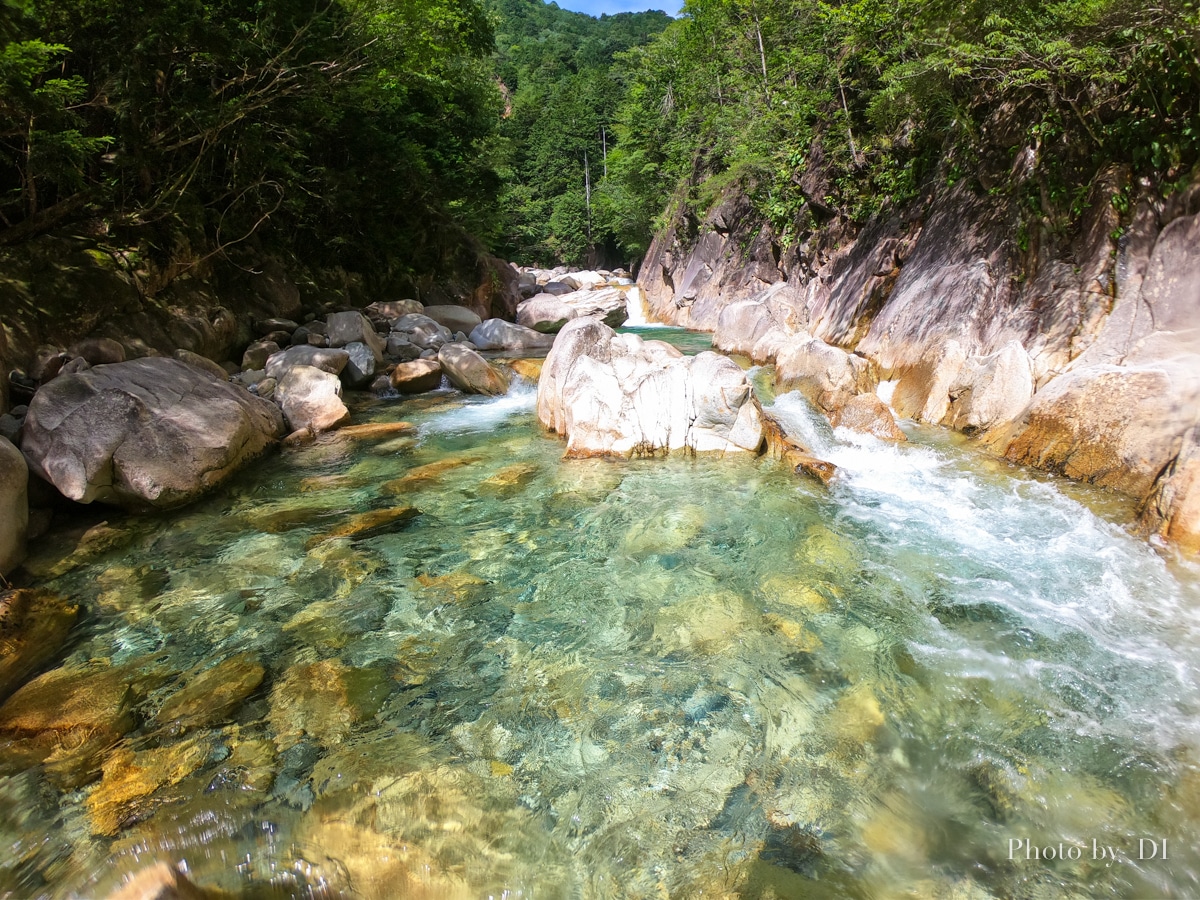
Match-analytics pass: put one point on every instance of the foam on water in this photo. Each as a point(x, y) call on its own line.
point(1020, 546)
point(479, 414)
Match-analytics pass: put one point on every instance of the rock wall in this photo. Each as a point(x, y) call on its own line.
point(1078, 353)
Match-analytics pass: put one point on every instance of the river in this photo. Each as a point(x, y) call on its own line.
point(592, 678)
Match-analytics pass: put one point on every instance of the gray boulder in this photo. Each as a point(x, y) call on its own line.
point(151, 432)
point(470, 372)
point(361, 367)
point(456, 318)
point(258, 353)
point(497, 334)
point(326, 359)
point(353, 328)
point(422, 331)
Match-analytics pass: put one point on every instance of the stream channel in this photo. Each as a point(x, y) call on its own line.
point(689, 677)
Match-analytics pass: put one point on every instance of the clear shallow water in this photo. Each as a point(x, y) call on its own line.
point(658, 678)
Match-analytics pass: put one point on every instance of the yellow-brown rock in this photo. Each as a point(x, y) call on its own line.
point(867, 414)
point(131, 776)
point(163, 882)
point(529, 369)
point(210, 696)
point(95, 698)
point(375, 430)
point(324, 700)
point(427, 474)
point(33, 625)
point(509, 480)
point(368, 524)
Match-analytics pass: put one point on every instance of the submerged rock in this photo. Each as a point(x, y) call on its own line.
point(617, 395)
point(33, 626)
point(324, 700)
point(132, 776)
point(210, 696)
point(152, 432)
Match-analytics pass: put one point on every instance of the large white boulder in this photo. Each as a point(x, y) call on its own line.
point(152, 432)
point(311, 399)
point(618, 395)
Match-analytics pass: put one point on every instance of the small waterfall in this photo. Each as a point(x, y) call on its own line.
point(639, 312)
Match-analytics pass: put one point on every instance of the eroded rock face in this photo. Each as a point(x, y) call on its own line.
point(867, 414)
point(760, 327)
point(617, 395)
point(152, 432)
point(1114, 426)
point(14, 506)
point(828, 376)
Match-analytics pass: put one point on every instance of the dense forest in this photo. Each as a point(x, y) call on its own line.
point(379, 134)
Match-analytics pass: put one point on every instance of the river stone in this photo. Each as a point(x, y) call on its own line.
point(151, 432)
point(311, 399)
point(210, 696)
point(129, 776)
point(323, 700)
point(417, 376)
point(361, 366)
point(470, 372)
point(327, 360)
point(996, 389)
point(386, 310)
point(14, 506)
point(867, 414)
point(98, 351)
point(456, 318)
point(828, 376)
point(545, 313)
point(422, 331)
point(617, 395)
point(33, 627)
point(201, 363)
point(258, 353)
point(267, 326)
point(496, 334)
point(352, 327)
point(401, 348)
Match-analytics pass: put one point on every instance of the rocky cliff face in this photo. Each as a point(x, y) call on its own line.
point(1078, 353)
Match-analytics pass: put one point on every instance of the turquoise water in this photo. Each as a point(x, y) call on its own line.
point(588, 678)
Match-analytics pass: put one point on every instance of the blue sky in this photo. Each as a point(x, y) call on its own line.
point(599, 7)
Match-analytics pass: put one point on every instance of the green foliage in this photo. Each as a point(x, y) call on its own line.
point(561, 76)
point(353, 132)
point(821, 106)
